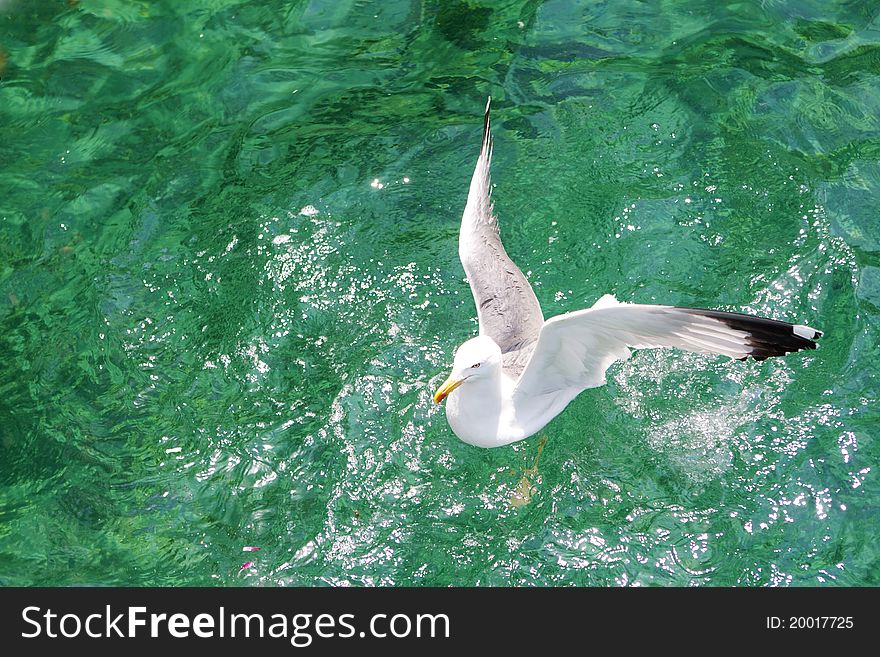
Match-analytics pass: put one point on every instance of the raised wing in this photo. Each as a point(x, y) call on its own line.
point(574, 350)
point(507, 308)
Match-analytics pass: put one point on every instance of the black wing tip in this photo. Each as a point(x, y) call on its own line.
point(767, 337)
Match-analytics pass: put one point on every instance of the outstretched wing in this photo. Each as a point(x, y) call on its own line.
point(507, 308)
point(574, 350)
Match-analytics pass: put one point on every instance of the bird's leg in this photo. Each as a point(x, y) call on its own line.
point(534, 469)
point(522, 495)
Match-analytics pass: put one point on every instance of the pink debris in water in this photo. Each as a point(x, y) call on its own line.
point(250, 549)
point(246, 565)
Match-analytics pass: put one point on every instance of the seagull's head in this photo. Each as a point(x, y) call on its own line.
point(477, 359)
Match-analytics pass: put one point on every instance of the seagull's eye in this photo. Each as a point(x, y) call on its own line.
point(475, 366)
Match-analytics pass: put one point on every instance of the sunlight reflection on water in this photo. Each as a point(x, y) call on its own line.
point(229, 283)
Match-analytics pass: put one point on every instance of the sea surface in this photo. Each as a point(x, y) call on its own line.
point(229, 285)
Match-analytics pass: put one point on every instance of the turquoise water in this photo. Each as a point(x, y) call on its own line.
point(229, 284)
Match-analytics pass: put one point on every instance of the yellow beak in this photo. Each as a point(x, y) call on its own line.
point(448, 386)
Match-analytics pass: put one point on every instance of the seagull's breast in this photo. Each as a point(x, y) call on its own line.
point(482, 413)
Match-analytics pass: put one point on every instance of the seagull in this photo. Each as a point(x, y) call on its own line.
point(521, 371)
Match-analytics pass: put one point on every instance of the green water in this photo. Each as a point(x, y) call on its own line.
point(229, 284)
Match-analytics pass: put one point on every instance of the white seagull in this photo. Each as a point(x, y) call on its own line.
point(522, 371)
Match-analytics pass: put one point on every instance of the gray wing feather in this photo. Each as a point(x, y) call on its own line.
point(575, 349)
point(507, 308)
